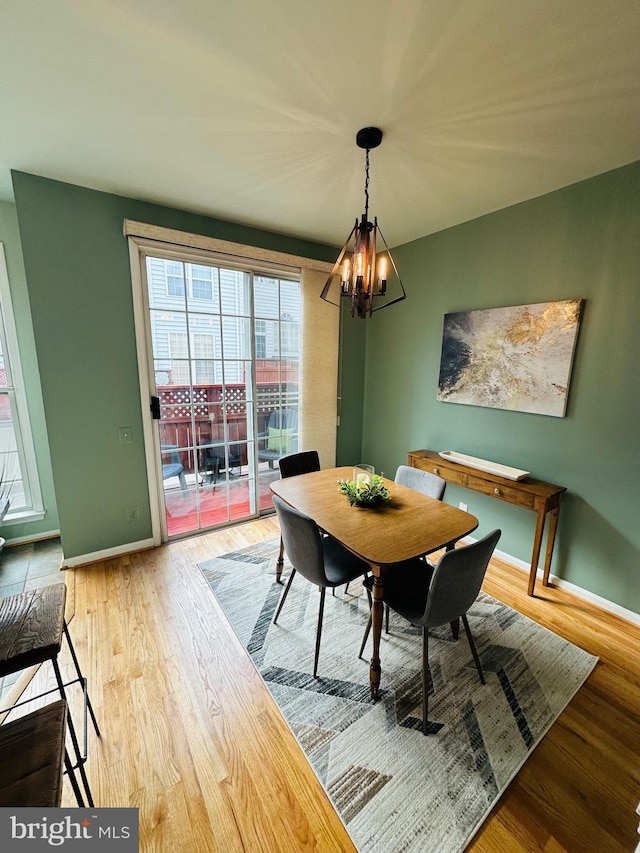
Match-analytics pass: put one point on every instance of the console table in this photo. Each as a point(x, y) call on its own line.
point(542, 498)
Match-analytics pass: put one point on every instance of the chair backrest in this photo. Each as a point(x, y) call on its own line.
point(421, 481)
point(283, 419)
point(302, 542)
point(303, 462)
point(457, 579)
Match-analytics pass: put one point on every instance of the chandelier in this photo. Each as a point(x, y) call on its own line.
point(365, 268)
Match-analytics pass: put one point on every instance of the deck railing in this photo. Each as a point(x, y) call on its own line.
point(187, 435)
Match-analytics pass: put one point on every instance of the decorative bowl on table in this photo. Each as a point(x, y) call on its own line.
point(365, 490)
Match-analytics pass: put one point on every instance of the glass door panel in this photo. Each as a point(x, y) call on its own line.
point(277, 345)
point(225, 348)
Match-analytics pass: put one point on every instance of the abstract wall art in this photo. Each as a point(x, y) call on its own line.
point(516, 358)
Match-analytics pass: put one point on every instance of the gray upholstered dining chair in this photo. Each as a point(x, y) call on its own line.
point(320, 559)
point(291, 465)
point(430, 485)
point(429, 596)
point(421, 481)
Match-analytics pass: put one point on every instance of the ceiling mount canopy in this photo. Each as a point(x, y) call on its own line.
point(364, 277)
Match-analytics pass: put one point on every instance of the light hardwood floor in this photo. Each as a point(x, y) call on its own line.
point(192, 737)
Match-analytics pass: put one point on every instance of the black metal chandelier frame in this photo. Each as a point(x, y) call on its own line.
point(363, 286)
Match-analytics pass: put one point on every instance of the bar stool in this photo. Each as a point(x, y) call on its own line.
point(33, 753)
point(32, 624)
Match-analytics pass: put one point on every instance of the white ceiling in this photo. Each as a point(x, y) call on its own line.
point(248, 109)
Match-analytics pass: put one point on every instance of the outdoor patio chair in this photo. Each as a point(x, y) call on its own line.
point(173, 468)
point(281, 437)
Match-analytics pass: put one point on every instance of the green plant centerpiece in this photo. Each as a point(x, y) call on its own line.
point(365, 490)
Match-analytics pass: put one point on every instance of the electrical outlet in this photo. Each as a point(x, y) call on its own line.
point(133, 513)
point(463, 506)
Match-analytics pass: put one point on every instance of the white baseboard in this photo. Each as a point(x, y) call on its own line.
point(602, 603)
point(25, 540)
point(107, 553)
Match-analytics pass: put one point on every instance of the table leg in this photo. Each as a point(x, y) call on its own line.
point(376, 625)
point(537, 543)
point(551, 536)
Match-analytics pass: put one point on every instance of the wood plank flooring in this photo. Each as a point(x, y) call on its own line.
point(192, 737)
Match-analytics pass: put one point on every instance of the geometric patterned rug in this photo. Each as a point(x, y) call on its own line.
point(393, 788)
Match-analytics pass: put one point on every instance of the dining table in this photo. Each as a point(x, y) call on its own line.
point(409, 526)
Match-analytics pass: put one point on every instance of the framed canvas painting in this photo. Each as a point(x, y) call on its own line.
point(516, 358)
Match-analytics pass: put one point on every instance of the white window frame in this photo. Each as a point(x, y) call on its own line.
point(33, 509)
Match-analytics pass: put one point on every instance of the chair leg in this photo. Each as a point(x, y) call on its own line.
point(425, 681)
point(72, 779)
point(74, 738)
point(473, 648)
point(280, 561)
point(80, 676)
point(386, 618)
point(319, 631)
point(366, 636)
point(284, 595)
point(183, 483)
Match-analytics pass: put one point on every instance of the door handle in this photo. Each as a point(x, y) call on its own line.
point(155, 408)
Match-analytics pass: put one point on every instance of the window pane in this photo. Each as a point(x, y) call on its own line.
point(266, 296)
point(163, 325)
point(236, 337)
point(290, 302)
point(175, 278)
point(201, 282)
point(11, 486)
point(234, 292)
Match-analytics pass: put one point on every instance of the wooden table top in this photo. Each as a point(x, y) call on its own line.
point(412, 524)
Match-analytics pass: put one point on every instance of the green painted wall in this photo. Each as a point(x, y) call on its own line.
point(581, 241)
point(77, 268)
point(10, 237)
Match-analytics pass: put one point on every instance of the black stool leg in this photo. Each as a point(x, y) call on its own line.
point(74, 737)
point(81, 677)
point(73, 780)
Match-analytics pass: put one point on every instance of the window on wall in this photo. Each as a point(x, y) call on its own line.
point(175, 281)
point(289, 333)
point(261, 339)
point(18, 471)
point(201, 281)
point(196, 278)
point(178, 355)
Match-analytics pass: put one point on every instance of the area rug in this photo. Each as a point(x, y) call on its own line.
point(395, 789)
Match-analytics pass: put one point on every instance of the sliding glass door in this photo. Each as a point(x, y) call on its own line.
point(225, 344)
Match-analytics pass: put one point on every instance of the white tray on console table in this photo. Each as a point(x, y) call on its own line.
point(484, 465)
